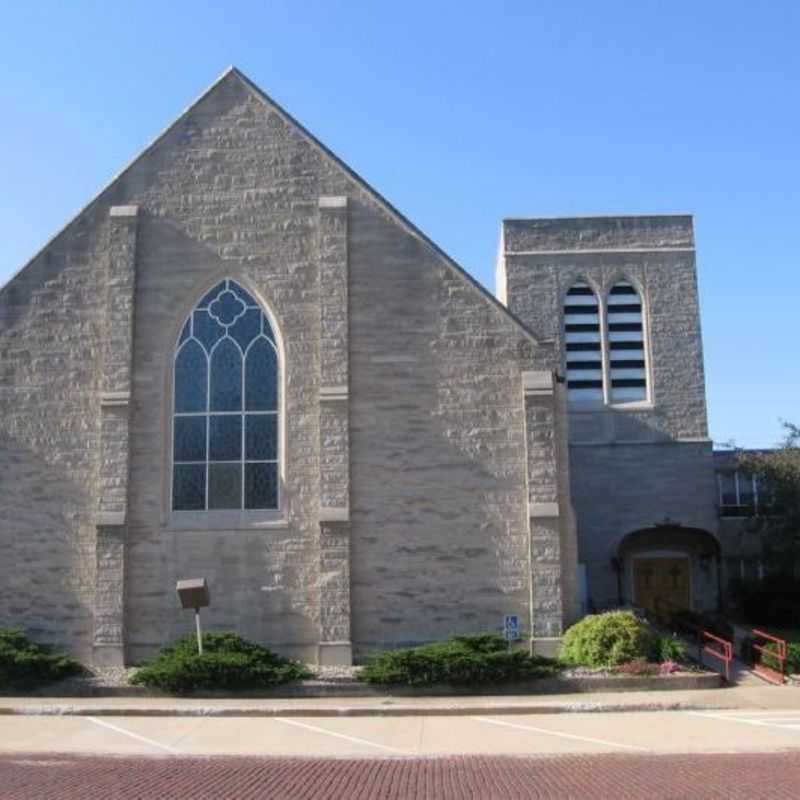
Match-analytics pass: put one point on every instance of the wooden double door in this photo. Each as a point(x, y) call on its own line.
point(661, 584)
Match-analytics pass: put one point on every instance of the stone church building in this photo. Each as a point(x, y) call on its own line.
point(240, 362)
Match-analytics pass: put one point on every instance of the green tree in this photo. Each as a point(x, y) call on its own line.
point(777, 474)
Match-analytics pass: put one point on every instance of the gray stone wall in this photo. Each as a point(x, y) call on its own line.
point(438, 451)
point(51, 337)
point(233, 191)
point(623, 489)
point(404, 483)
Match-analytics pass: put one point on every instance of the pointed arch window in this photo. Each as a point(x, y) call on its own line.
point(225, 446)
point(626, 346)
point(583, 341)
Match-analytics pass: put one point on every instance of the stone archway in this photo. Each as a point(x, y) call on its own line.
point(669, 568)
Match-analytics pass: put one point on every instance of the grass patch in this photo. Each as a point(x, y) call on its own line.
point(228, 663)
point(27, 665)
point(478, 660)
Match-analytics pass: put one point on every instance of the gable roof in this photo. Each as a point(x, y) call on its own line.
point(257, 92)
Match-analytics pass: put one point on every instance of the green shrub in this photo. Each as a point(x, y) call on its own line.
point(669, 648)
point(607, 640)
point(228, 663)
point(26, 665)
point(793, 658)
point(459, 661)
point(792, 663)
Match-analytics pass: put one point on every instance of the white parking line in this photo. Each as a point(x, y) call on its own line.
point(591, 739)
point(750, 712)
point(344, 736)
point(132, 735)
point(762, 722)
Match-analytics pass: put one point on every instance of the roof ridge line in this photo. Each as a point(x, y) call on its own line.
point(117, 175)
point(391, 209)
point(621, 215)
point(376, 195)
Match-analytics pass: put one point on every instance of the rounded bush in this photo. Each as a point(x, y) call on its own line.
point(607, 640)
point(228, 663)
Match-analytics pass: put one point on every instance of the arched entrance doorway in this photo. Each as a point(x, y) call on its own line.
point(670, 568)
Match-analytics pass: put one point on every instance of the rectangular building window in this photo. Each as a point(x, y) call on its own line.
point(738, 494)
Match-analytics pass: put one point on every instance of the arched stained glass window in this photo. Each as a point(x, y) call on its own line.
point(584, 354)
point(626, 359)
point(225, 415)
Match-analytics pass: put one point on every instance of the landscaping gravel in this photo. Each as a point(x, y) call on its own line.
point(96, 680)
point(342, 673)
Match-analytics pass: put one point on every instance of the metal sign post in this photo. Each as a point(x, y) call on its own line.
point(199, 631)
point(511, 629)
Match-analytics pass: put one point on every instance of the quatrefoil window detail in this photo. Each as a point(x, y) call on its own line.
point(227, 308)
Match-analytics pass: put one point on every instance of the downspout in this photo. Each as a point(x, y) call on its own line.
point(528, 519)
point(530, 579)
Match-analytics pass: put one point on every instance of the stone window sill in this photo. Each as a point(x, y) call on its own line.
point(601, 407)
point(225, 520)
point(643, 405)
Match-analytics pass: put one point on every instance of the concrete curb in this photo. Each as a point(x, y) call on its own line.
point(384, 710)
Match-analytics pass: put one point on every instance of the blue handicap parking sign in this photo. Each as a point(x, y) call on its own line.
point(511, 627)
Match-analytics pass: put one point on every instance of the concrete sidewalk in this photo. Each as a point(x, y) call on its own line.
point(760, 697)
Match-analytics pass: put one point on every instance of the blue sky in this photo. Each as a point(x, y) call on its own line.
point(463, 113)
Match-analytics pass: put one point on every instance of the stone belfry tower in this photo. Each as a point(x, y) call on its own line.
point(618, 296)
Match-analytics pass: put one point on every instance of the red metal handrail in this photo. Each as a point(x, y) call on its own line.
point(725, 654)
point(779, 654)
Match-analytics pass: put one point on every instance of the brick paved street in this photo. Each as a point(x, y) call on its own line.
point(734, 753)
point(621, 777)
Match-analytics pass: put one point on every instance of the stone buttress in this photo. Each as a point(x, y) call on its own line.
point(552, 537)
point(334, 431)
point(109, 612)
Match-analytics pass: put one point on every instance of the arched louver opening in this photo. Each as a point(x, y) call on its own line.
point(626, 359)
point(225, 406)
point(583, 345)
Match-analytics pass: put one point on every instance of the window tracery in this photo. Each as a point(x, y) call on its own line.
point(225, 406)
